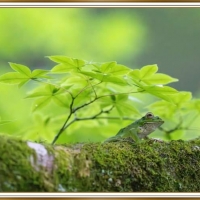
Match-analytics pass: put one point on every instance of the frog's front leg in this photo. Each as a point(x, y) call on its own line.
point(133, 133)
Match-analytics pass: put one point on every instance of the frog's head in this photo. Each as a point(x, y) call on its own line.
point(149, 123)
point(150, 118)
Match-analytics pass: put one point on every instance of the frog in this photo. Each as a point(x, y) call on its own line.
point(139, 129)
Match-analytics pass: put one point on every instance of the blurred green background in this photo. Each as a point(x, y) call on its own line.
point(135, 37)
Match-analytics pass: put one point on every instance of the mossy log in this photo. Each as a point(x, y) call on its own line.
point(150, 166)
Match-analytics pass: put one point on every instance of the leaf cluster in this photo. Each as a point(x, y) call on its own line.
point(102, 91)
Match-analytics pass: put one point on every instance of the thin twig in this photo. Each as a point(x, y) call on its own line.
point(85, 88)
point(65, 125)
point(95, 116)
point(73, 110)
point(117, 118)
point(107, 95)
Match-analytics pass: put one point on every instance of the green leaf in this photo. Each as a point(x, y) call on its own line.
point(128, 108)
point(164, 92)
point(181, 97)
point(159, 79)
point(76, 81)
point(106, 78)
point(160, 107)
point(144, 72)
point(41, 102)
point(39, 73)
point(61, 100)
point(13, 78)
point(61, 68)
point(148, 71)
point(147, 76)
point(98, 76)
point(67, 60)
point(40, 92)
point(134, 74)
point(106, 67)
point(121, 97)
point(21, 69)
point(66, 64)
point(47, 90)
point(163, 89)
point(194, 104)
point(52, 89)
point(119, 110)
point(114, 69)
point(116, 80)
point(133, 78)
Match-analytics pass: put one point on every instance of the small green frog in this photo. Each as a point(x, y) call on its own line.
point(139, 129)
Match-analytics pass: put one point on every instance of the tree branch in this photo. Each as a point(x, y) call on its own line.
point(96, 98)
point(95, 116)
point(64, 125)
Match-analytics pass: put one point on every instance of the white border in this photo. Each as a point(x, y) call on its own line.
point(100, 4)
point(101, 195)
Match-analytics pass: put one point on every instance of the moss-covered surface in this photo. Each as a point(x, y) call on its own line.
point(15, 168)
point(149, 166)
point(146, 167)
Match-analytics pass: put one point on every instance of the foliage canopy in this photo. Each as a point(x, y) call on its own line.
point(103, 93)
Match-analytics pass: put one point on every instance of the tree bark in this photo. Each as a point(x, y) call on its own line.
point(150, 166)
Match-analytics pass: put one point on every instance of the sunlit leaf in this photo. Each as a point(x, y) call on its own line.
point(67, 60)
point(177, 134)
point(128, 108)
point(119, 110)
point(66, 64)
point(160, 107)
point(194, 105)
point(41, 102)
point(75, 81)
point(159, 79)
point(181, 97)
point(38, 73)
point(106, 77)
point(162, 89)
point(164, 92)
point(39, 92)
point(62, 100)
point(148, 71)
point(21, 69)
point(135, 74)
point(13, 78)
point(106, 67)
point(121, 97)
point(62, 68)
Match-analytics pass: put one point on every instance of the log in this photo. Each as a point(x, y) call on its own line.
point(150, 166)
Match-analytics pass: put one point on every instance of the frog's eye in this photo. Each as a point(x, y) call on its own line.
point(149, 115)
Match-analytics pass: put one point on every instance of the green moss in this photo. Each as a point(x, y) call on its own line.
point(17, 173)
point(150, 166)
